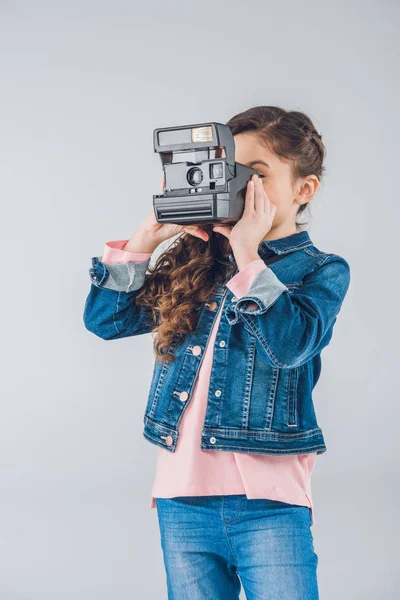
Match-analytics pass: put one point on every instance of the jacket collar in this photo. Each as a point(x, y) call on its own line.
point(290, 243)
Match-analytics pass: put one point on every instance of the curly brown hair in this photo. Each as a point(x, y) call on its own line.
point(185, 275)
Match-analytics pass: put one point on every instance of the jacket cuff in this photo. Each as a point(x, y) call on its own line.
point(122, 277)
point(114, 253)
point(263, 292)
point(240, 283)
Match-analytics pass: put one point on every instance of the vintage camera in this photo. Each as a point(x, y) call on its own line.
point(200, 185)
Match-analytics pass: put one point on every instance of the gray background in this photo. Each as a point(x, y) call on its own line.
point(83, 85)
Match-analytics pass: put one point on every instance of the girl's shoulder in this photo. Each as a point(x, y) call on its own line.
point(323, 256)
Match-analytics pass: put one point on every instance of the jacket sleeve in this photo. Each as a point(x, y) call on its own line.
point(110, 310)
point(293, 326)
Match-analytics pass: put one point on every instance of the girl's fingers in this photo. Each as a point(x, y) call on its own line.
point(196, 232)
point(264, 203)
point(261, 197)
point(223, 230)
point(256, 198)
point(249, 201)
point(267, 203)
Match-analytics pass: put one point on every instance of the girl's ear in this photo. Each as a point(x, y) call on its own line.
point(308, 189)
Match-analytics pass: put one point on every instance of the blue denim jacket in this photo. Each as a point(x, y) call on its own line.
point(267, 351)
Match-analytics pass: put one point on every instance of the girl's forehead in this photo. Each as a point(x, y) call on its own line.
point(249, 148)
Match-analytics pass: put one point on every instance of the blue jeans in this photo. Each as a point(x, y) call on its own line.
point(209, 542)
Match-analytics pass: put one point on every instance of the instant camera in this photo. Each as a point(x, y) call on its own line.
point(200, 186)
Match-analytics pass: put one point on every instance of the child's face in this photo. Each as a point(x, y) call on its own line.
point(276, 179)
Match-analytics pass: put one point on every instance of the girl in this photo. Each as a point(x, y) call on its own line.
point(242, 517)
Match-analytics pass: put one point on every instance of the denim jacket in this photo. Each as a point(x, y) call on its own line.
point(266, 356)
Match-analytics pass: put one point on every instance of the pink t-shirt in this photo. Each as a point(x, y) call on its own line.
point(190, 471)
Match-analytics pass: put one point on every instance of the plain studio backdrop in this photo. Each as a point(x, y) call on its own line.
point(83, 85)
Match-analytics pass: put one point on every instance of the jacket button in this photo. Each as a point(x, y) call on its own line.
point(233, 299)
point(222, 343)
point(212, 440)
point(213, 306)
point(183, 396)
point(168, 440)
point(196, 350)
point(218, 392)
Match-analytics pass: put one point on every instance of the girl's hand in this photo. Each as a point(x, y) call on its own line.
point(159, 232)
point(151, 233)
point(255, 222)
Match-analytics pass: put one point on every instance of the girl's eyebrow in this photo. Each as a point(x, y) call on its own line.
point(261, 162)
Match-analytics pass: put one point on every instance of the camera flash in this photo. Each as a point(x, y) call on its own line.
point(202, 134)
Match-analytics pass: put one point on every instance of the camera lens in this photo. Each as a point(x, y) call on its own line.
point(195, 176)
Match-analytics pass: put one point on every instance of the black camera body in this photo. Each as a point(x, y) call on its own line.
point(199, 185)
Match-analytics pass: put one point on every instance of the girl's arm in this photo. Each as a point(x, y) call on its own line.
point(240, 283)
point(110, 311)
point(292, 326)
point(115, 254)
